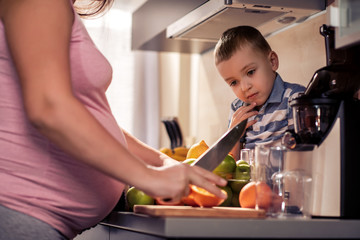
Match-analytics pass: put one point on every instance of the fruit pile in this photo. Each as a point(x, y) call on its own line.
point(237, 174)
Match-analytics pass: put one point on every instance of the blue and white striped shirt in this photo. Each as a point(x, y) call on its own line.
point(275, 116)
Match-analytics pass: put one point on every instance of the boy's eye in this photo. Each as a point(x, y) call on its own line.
point(251, 72)
point(232, 83)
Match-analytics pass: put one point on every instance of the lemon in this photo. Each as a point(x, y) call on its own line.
point(197, 149)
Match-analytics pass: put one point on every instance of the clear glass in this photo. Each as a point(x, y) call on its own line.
point(245, 155)
point(269, 163)
point(276, 162)
point(279, 192)
point(296, 190)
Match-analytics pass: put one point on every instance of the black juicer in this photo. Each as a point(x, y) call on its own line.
point(330, 108)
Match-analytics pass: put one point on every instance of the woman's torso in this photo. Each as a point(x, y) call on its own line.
point(36, 177)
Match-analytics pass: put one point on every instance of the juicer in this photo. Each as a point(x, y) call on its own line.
point(327, 125)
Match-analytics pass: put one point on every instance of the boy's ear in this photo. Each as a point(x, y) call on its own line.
point(274, 60)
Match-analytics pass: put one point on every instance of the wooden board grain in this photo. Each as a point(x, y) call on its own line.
point(187, 211)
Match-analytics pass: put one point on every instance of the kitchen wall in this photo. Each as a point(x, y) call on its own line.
point(192, 89)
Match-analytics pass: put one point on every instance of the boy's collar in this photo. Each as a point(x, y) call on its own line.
point(277, 90)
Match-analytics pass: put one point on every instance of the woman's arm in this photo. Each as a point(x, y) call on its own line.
point(38, 34)
point(147, 153)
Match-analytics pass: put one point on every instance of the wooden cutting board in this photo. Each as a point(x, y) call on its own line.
point(188, 211)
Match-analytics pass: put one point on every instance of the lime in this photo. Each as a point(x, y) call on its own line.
point(135, 196)
point(237, 184)
point(241, 162)
point(242, 171)
point(241, 177)
point(235, 200)
point(227, 202)
point(226, 167)
point(189, 160)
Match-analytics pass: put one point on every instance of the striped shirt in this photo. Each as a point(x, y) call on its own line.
point(275, 116)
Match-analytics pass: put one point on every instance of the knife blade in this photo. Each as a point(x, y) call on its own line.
point(210, 159)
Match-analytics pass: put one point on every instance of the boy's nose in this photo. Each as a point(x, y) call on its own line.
point(245, 85)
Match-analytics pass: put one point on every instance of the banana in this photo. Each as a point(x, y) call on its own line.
point(178, 157)
point(181, 151)
point(167, 151)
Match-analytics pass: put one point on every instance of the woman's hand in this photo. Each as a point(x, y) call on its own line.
point(172, 182)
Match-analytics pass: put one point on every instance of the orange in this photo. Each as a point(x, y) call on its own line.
point(204, 198)
point(168, 203)
point(197, 149)
point(253, 192)
point(247, 196)
point(264, 195)
point(189, 200)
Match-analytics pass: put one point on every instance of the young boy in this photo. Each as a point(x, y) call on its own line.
point(248, 65)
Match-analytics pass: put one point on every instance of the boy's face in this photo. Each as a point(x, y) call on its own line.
point(250, 74)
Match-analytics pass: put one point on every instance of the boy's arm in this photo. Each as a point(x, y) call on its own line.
point(235, 151)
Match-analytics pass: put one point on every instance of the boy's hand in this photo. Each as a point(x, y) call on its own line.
point(243, 113)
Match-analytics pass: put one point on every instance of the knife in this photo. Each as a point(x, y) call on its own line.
point(210, 159)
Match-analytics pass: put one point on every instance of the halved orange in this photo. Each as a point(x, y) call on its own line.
point(204, 198)
point(189, 200)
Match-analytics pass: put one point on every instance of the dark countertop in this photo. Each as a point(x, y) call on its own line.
point(231, 228)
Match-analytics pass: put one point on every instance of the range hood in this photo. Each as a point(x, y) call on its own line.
point(208, 21)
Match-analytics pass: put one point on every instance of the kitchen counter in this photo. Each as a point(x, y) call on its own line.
point(128, 225)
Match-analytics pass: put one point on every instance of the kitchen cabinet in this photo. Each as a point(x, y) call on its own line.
point(194, 26)
point(128, 225)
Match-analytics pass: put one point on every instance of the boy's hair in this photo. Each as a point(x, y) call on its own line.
point(235, 38)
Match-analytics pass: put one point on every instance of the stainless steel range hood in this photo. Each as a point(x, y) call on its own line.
point(211, 19)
